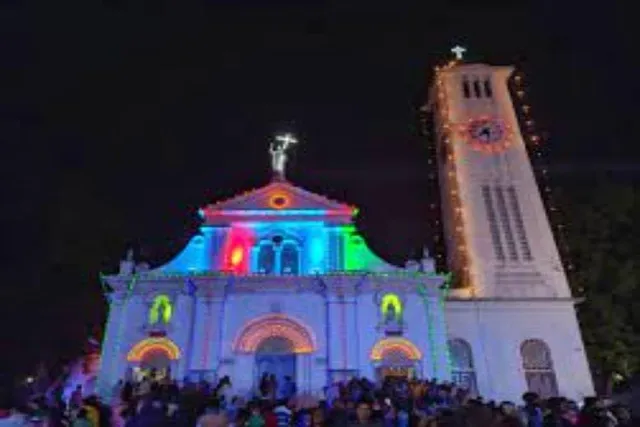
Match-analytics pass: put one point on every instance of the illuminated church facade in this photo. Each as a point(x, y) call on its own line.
point(279, 281)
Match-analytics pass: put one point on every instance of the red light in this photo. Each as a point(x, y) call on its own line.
point(234, 250)
point(237, 255)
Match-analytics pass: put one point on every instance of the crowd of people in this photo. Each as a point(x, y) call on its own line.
point(397, 402)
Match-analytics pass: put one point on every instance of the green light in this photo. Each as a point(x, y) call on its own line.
point(394, 301)
point(161, 304)
point(357, 255)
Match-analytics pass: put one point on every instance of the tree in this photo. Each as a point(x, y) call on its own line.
point(603, 241)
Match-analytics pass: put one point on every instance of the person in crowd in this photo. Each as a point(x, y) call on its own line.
point(82, 419)
point(255, 419)
point(282, 413)
point(364, 415)
point(394, 402)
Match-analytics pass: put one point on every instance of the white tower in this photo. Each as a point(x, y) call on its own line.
point(512, 309)
point(499, 240)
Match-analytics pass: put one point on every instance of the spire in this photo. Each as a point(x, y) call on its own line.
point(278, 151)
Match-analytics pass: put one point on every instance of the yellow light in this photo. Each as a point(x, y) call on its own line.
point(237, 254)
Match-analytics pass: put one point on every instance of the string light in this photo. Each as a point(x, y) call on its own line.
point(153, 345)
point(274, 325)
point(462, 258)
point(395, 344)
point(534, 144)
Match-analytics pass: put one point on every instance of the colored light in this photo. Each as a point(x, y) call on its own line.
point(391, 300)
point(153, 345)
point(274, 325)
point(396, 344)
point(160, 302)
point(235, 249)
point(279, 201)
point(357, 255)
point(237, 255)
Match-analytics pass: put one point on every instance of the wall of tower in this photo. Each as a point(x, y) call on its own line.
point(508, 242)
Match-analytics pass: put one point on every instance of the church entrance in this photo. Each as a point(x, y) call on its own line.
point(275, 356)
point(396, 358)
point(155, 365)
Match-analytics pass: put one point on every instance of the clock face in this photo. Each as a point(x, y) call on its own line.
point(487, 134)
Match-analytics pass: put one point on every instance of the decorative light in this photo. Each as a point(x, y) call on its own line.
point(279, 200)
point(447, 129)
point(235, 249)
point(394, 344)
point(160, 302)
point(237, 255)
point(391, 300)
point(274, 325)
point(152, 345)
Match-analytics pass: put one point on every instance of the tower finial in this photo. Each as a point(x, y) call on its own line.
point(278, 151)
point(458, 51)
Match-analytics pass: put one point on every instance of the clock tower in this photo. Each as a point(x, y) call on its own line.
point(498, 237)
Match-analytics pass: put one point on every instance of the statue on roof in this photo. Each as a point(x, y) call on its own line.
point(278, 151)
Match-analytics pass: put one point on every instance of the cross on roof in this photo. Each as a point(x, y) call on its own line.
point(458, 51)
point(278, 151)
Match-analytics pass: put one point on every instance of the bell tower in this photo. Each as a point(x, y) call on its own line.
point(498, 237)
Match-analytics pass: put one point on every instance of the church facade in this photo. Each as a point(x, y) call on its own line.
point(279, 281)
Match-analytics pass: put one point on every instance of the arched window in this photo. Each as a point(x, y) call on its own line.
point(391, 308)
point(266, 258)
point(289, 259)
point(538, 368)
point(462, 372)
point(161, 310)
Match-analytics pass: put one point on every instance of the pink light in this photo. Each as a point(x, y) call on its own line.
point(390, 345)
point(235, 250)
point(274, 325)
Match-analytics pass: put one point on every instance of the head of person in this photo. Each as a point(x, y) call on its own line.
point(530, 398)
point(363, 411)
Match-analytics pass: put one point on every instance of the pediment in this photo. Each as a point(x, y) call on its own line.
point(279, 198)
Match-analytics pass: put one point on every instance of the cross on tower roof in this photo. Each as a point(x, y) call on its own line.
point(458, 51)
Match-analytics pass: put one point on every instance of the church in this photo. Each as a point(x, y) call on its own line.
point(278, 280)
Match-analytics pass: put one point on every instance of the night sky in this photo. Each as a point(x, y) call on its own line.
point(117, 122)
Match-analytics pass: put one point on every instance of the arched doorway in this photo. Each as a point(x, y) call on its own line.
point(153, 358)
point(276, 341)
point(276, 356)
point(396, 357)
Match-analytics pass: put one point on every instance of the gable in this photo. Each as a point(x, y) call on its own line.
point(277, 199)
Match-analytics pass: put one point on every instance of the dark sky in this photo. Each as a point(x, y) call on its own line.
point(117, 122)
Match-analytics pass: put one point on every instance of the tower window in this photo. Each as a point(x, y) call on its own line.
point(466, 89)
point(498, 251)
point(488, 90)
point(476, 88)
point(462, 371)
point(506, 224)
point(538, 368)
point(519, 223)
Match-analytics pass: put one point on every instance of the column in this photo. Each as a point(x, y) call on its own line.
point(112, 355)
point(206, 352)
point(342, 325)
point(243, 381)
point(440, 338)
point(184, 335)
